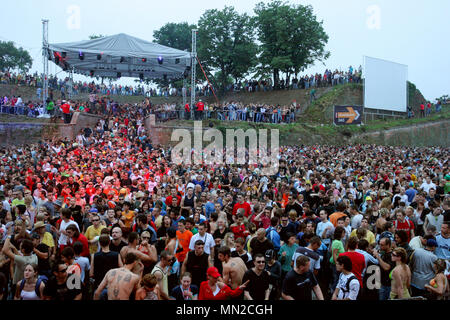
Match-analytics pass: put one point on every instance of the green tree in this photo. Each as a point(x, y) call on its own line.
point(291, 38)
point(12, 57)
point(226, 43)
point(175, 35)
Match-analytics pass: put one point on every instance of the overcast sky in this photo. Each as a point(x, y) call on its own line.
point(415, 33)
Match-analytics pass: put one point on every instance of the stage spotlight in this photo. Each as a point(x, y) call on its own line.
point(122, 59)
point(144, 60)
point(160, 60)
point(119, 74)
point(177, 60)
point(81, 56)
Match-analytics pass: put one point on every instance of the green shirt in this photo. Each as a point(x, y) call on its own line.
point(50, 105)
point(16, 202)
point(447, 187)
point(287, 259)
point(337, 244)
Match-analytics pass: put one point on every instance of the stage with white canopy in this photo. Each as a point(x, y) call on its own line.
point(121, 55)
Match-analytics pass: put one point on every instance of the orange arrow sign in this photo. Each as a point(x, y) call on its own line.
point(352, 115)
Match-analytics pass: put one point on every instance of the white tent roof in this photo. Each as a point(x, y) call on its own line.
point(120, 55)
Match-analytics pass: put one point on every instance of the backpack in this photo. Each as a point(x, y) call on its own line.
point(347, 285)
point(40, 279)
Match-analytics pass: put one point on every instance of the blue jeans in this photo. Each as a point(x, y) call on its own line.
point(384, 293)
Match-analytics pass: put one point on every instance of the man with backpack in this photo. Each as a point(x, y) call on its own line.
point(403, 223)
point(348, 285)
point(272, 233)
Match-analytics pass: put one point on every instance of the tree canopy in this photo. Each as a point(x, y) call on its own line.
point(175, 35)
point(291, 37)
point(12, 57)
point(226, 43)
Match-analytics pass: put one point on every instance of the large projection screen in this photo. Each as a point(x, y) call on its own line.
point(385, 85)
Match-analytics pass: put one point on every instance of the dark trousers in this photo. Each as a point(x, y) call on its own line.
point(67, 117)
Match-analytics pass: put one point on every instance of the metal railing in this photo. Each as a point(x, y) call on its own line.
point(225, 115)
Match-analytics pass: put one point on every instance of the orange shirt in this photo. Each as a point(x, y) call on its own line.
point(129, 218)
point(184, 239)
point(335, 216)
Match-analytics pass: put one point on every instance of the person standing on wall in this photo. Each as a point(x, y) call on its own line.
point(65, 108)
point(200, 108)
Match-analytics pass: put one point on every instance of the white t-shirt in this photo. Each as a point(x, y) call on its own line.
point(352, 294)
point(62, 237)
point(356, 221)
point(416, 243)
point(427, 186)
point(207, 239)
point(321, 226)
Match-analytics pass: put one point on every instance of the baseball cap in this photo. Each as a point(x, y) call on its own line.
point(213, 272)
point(270, 254)
point(93, 210)
point(368, 198)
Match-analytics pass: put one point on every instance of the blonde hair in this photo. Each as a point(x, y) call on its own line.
point(386, 203)
point(28, 200)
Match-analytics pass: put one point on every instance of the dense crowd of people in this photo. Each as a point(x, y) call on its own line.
point(103, 105)
point(108, 216)
point(328, 78)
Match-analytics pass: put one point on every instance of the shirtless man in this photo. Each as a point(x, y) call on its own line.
point(121, 282)
point(133, 239)
point(233, 268)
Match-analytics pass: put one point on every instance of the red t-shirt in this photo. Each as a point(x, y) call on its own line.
point(84, 241)
point(422, 107)
point(239, 231)
point(358, 264)
point(200, 106)
point(65, 108)
point(245, 205)
point(205, 292)
point(406, 226)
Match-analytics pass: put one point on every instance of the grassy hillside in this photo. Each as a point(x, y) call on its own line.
point(321, 111)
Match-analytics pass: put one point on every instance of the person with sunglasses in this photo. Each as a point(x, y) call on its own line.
point(57, 287)
point(259, 287)
point(93, 233)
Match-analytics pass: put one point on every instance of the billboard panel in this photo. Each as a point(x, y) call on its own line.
point(385, 85)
